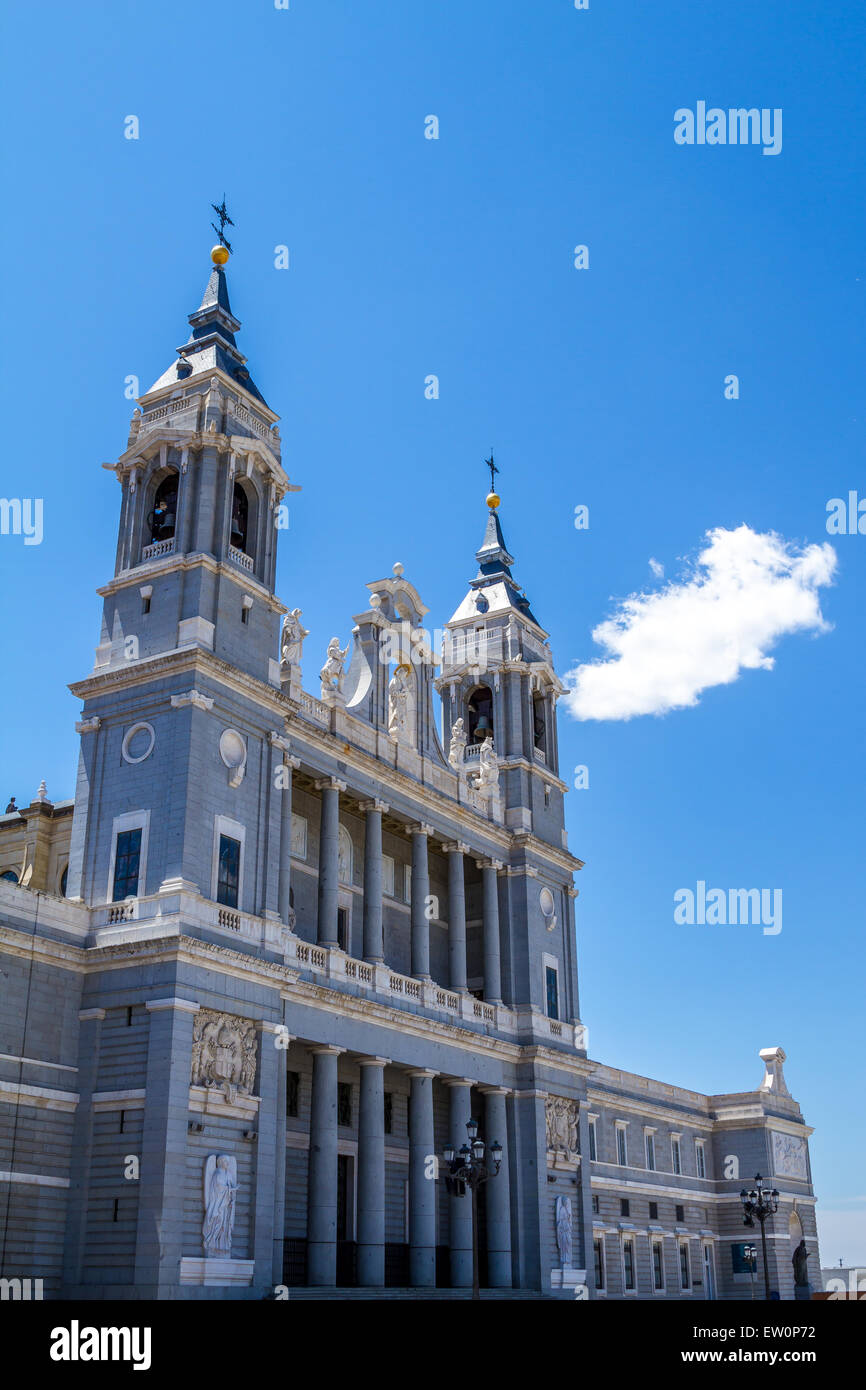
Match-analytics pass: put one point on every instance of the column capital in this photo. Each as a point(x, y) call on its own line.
point(458, 1081)
point(326, 1050)
point(421, 1073)
point(279, 740)
point(185, 1006)
point(373, 1061)
point(455, 847)
point(488, 863)
point(329, 783)
point(375, 804)
point(420, 828)
point(496, 1090)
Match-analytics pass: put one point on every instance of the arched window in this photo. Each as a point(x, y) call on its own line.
point(164, 514)
point(539, 724)
point(10, 876)
point(240, 518)
point(63, 879)
point(344, 855)
point(479, 714)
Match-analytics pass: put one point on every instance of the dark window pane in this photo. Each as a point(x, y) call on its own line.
point(389, 1112)
point(344, 1103)
point(343, 928)
point(293, 1087)
point(624, 1209)
point(654, 1211)
point(126, 863)
point(681, 1214)
point(228, 876)
point(552, 993)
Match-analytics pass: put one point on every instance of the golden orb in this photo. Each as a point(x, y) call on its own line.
point(493, 500)
point(219, 255)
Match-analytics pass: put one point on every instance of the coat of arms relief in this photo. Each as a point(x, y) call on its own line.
point(561, 1115)
point(223, 1054)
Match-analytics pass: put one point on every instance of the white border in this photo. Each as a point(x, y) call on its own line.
point(127, 737)
point(224, 825)
point(131, 820)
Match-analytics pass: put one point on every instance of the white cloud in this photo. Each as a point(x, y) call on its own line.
point(744, 591)
point(657, 568)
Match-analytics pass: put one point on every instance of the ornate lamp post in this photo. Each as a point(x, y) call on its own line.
point(469, 1168)
point(760, 1204)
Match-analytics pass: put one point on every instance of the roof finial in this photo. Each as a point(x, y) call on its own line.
point(221, 252)
point(493, 498)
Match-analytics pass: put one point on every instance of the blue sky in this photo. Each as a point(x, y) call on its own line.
point(602, 387)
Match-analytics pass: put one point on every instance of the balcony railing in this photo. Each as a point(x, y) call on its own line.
point(158, 549)
point(241, 558)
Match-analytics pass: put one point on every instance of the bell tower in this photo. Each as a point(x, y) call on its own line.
point(498, 677)
point(183, 701)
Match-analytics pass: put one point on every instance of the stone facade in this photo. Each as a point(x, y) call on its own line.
point(282, 945)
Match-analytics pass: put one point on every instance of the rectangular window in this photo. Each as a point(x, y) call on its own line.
point(388, 875)
point(293, 1092)
point(595, 1205)
point(228, 871)
point(685, 1270)
point(628, 1263)
point(675, 1155)
point(127, 857)
point(650, 1143)
point(598, 1251)
point(621, 1148)
point(658, 1265)
point(624, 1207)
point(343, 929)
point(389, 1112)
point(653, 1211)
point(593, 1148)
point(344, 1104)
point(680, 1213)
point(552, 980)
point(700, 1158)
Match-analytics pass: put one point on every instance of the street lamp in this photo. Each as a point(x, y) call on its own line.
point(760, 1204)
point(468, 1167)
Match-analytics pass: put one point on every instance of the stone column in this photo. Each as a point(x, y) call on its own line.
point(329, 831)
point(456, 915)
point(270, 1125)
point(460, 1208)
point(374, 944)
point(422, 1189)
point(282, 1042)
point(322, 1182)
point(420, 894)
point(284, 890)
point(371, 1173)
point(498, 1191)
point(490, 890)
point(160, 1230)
point(89, 1034)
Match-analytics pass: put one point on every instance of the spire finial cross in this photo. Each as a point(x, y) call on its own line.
point(222, 214)
point(488, 463)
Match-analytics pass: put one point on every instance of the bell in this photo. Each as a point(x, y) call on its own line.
point(482, 728)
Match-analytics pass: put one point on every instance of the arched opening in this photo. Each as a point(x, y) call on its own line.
point(10, 876)
point(479, 714)
point(240, 519)
point(64, 878)
point(161, 520)
point(539, 722)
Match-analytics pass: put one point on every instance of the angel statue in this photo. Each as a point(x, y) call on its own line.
point(457, 747)
point(292, 639)
point(487, 780)
point(333, 668)
point(399, 695)
point(220, 1188)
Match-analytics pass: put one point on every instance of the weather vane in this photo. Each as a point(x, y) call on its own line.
point(224, 218)
point(488, 463)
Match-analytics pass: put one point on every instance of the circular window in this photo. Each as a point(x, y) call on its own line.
point(233, 750)
point(138, 743)
point(545, 897)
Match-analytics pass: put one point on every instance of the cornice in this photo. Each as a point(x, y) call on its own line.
point(197, 559)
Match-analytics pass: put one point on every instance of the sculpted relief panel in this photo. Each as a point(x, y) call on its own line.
point(223, 1053)
point(562, 1134)
point(789, 1156)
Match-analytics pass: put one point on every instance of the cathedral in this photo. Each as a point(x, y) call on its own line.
point(289, 987)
